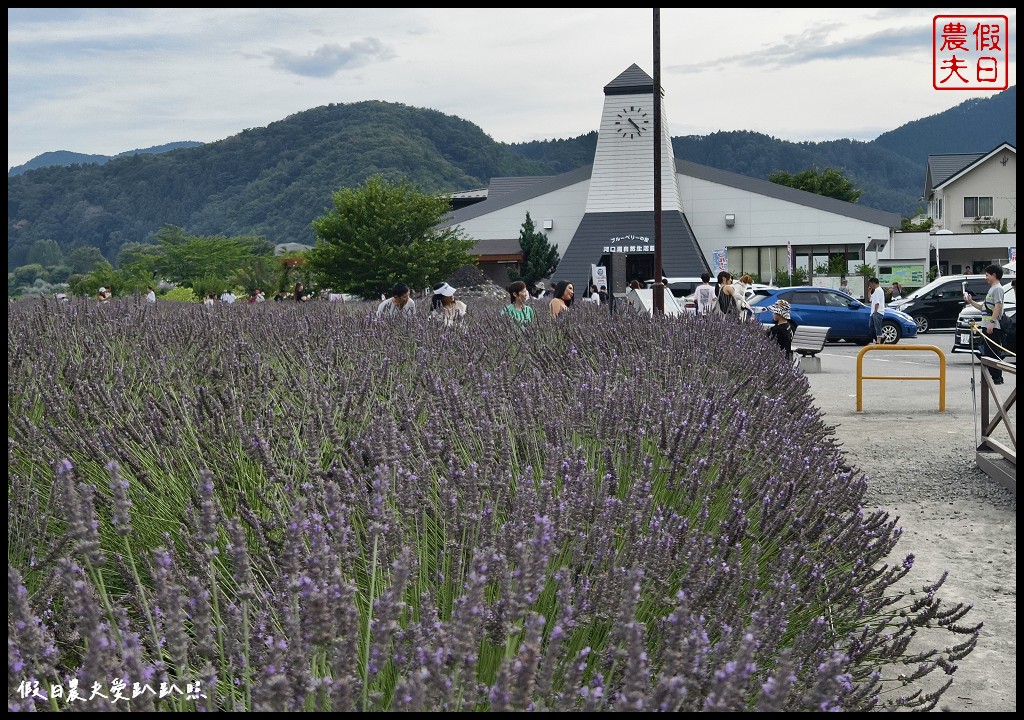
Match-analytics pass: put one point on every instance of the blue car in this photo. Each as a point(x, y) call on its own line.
point(846, 317)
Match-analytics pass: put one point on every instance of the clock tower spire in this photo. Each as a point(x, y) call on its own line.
point(623, 174)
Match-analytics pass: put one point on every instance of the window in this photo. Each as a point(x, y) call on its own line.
point(835, 300)
point(938, 211)
point(803, 297)
point(977, 207)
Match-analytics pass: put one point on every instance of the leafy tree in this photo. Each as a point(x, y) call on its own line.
point(135, 254)
point(382, 233)
point(46, 253)
point(258, 273)
point(783, 278)
point(85, 259)
point(540, 257)
point(28, 274)
point(829, 182)
point(187, 259)
point(180, 294)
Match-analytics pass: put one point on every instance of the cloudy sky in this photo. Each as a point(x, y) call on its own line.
point(107, 80)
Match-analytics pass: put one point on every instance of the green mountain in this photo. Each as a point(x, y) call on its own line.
point(66, 157)
point(273, 181)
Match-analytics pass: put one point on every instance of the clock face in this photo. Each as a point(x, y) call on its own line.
point(632, 122)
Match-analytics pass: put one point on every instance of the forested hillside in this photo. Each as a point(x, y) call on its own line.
point(273, 181)
point(67, 158)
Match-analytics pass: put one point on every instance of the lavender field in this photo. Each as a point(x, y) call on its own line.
point(302, 508)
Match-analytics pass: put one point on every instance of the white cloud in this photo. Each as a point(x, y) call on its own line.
point(109, 80)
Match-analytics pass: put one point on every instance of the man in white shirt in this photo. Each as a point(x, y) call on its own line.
point(400, 302)
point(150, 295)
point(705, 295)
point(877, 304)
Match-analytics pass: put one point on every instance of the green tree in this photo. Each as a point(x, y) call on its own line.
point(46, 253)
point(829, 182)
point(187, 259)
point(540, 257)
point(26, 275)
point(85, 259)
point(385, 232)
point(136, 254)
point(798, 277)
point(258, 273)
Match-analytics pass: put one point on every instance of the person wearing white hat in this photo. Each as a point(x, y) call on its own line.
point(104, 295)
point(782, 331)
point(445, 308)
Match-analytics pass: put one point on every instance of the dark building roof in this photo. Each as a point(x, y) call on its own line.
point(505, 185)
point(632, 81)
point(942, 168)
point(529, 188)
point(783, 192)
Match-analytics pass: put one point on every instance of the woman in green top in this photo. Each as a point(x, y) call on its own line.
point(517, 309)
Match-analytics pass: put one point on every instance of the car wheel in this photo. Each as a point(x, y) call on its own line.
point(922, 323)
point(890, 333)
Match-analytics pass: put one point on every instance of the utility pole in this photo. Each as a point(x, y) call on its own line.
point(659, 286)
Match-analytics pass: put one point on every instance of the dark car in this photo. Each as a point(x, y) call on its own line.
point(937, 305)
point(970, 314)
point(847, 318)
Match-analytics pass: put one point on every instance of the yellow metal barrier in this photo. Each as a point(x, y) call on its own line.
point(941, 377)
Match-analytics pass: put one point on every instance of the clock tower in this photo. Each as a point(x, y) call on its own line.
point(617, 230)
point(623, 176)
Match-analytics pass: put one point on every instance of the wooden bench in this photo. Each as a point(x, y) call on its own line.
point(808, 341)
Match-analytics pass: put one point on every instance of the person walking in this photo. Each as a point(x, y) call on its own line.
point(445, 308)
point(150, 294)
point(991, 314)
point(562, 300)
point(704, 295)
point(517, 308)
point(877, 305)
point(400, 302)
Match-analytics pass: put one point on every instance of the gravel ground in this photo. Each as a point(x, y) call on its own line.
point(921, 467)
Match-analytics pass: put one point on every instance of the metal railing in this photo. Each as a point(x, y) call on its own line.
point(1004, 472)
point(861, 377)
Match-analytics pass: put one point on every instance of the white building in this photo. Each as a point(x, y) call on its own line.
point(603, 214)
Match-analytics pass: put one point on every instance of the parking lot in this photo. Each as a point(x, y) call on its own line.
point(921, 468)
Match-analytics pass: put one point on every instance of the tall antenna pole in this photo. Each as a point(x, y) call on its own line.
point(659, 287)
